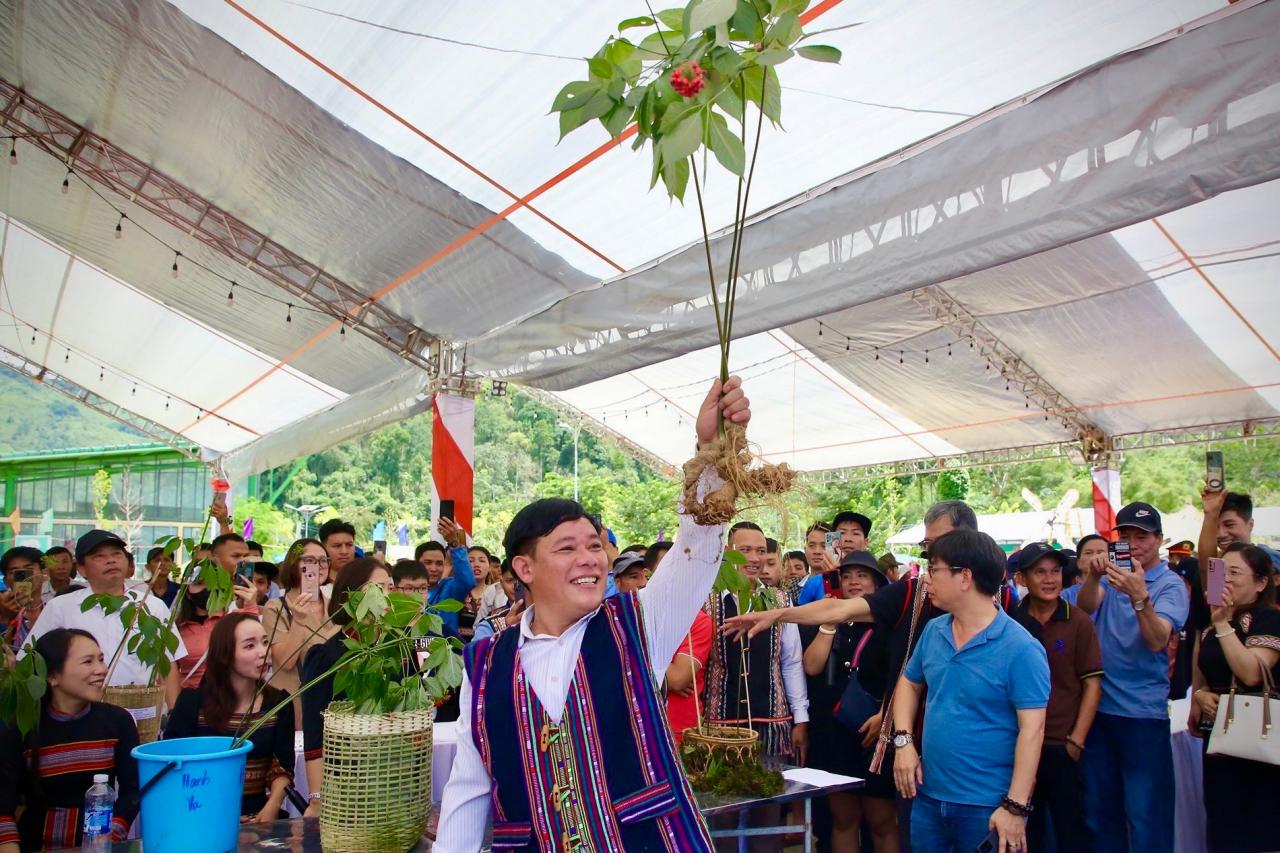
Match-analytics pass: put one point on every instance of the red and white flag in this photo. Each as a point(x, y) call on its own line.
point(453, 454)
point(1106, 500)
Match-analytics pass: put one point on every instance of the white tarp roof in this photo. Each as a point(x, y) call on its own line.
point(312, 123)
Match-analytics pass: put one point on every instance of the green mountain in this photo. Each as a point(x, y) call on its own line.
point(34, 418)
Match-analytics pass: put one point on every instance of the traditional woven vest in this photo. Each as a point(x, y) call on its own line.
point(608, 777)
point(729, 696)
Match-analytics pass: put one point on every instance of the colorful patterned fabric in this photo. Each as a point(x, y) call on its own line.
point(607, 777)
point(757, 699)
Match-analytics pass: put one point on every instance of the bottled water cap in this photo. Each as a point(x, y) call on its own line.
point(100, 778)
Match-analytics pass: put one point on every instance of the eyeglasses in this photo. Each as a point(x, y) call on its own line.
point(412, 587)
point(955, 570)
point(313, 561)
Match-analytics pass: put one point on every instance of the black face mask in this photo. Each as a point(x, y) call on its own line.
point(199, 601)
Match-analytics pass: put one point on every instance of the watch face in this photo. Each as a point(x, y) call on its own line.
point(899, 741)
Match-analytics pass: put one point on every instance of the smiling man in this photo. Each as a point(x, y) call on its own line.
point(592, 764)
point(1128, 760)
point(102, 561)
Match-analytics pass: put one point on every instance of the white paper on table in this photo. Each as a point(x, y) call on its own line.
point(815, 777)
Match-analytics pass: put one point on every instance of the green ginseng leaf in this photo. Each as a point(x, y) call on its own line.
point(573, 95)
point(675, 177)
point(820, 52)
point(774, 56)
point(672, 19)
point(642, 21)
point(726, 145)
point(706, 14)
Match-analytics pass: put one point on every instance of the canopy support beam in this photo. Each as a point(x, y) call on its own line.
point(98, 403)
point(1012, 367)
point(122, 174)
point(1264, 428)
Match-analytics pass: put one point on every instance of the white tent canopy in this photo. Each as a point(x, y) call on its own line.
point(1087, 190)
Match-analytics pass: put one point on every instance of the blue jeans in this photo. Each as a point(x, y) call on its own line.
point(938, 827)
point(1128, 770)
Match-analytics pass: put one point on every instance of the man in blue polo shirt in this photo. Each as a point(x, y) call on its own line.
point(988, 687)
point(1128, 759)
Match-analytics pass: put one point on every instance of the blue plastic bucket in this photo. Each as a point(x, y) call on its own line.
point(195, 807)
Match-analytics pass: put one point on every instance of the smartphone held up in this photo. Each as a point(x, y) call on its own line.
point(1214, 472)
point(1217, 582)
point(1118, 552)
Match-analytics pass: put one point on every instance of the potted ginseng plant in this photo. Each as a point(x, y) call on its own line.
point(378, 736)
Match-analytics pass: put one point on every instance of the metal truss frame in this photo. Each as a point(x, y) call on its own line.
point(599, 430)
point(1012, 367)
point(63, 385)
point(1117, 446)
point(117, 171)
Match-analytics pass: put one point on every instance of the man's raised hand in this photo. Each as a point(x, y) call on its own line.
point(728, 399)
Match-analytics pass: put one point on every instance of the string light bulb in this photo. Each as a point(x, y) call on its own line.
point(134, 392)
point(231, 294)
point(33, 334)
point(166, 404)
point(877, 353)
point(120, 227)
point(342, 333)
point(66, 182)
point(819, 328)
point(13, 150)
point(926, 356)
point(900, 359)
point(102, 373)
point(66, 359)
point(288, 314)
point(176, 255)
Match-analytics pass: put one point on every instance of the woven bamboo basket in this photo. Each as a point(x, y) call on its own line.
point(143, 703)
point(731, 744)
point(377, 780)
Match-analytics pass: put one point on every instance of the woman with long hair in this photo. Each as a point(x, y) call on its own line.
point(196, 623)
point(76, 737)
point(834, 656)
point(320, 659)
point(298, 620)
point(1243, 639)
point(232, 697)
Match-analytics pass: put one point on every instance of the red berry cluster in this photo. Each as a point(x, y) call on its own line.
point(687, 79)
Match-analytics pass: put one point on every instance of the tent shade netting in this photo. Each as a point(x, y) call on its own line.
point(986, 228)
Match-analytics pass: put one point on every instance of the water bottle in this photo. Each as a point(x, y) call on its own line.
point(98, 802)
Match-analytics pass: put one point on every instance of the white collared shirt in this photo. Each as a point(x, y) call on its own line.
point(668, 605)
point(64, 612)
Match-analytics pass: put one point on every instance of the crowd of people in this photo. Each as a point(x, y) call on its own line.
point(1018, 700)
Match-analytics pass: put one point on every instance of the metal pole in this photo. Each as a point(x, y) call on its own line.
point(576, 430)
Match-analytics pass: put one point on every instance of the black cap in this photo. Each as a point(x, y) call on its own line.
point(93, 539)
point(626, 562)
point(1139, 515)
point(867, 561)
point(1034, 553)
point(849, 515)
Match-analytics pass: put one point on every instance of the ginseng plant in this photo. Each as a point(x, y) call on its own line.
point(692, 84)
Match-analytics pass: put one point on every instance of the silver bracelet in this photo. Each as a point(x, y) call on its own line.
point(822, 629)
point(1230, 633)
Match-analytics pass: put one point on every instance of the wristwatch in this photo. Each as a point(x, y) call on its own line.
point(901, 739)
point(1139, 606)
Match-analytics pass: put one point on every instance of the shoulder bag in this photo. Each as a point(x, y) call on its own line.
point(1242, 728)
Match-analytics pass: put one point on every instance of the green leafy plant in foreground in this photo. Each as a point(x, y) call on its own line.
point(378, 673)
point(22, 688)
